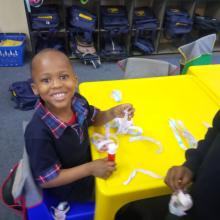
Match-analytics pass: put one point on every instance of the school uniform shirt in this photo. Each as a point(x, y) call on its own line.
point(205, 164)
point(53, 145)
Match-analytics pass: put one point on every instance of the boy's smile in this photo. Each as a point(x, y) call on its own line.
point(54, 80)
point(59, 96)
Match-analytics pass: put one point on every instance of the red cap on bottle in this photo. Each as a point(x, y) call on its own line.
point(111, 152)
point(111, 157)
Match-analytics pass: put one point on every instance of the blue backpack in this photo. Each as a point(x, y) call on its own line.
point(115, 20)
point(82, 21)
point(144, 18)
point(114, 49)
point(115, 23)
point(145, 23)
point(177, 22)
point(82, 18)
point(45, 18)
point(23, 95)
point(82, 25)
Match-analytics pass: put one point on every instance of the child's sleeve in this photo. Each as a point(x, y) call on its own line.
point(44, 162)
point(194, 157)
point(91, 111)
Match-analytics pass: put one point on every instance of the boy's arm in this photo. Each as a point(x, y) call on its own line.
point(100, 168)
point(179, 177)
point(48, 171)
point(67, 176)
point(102, 117)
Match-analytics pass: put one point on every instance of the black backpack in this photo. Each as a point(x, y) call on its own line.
point(23, 95)
point(45, 18)
point(49, 40)
point(206, 24)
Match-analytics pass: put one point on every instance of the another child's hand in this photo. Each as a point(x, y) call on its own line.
point(102, 168)
point(119, 111)
point(178, 177)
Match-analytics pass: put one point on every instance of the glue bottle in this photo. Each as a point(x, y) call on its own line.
point(111, 151)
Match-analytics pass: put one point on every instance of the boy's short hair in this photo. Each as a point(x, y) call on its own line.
point(44, 51)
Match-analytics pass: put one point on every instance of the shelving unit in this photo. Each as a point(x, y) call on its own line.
point(60, 33)
point(161, 43)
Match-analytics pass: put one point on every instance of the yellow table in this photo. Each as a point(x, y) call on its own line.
point(209, 76)
point(155, 100)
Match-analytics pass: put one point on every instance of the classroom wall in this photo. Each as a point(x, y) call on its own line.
point(13, 18)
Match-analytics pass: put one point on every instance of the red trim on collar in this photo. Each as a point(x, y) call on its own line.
point(72, 119)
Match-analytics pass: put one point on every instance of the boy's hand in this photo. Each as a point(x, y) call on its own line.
point(178, 177)
point(102, 168)
point(119, 111)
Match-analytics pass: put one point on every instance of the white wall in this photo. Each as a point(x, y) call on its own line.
point(13, 18)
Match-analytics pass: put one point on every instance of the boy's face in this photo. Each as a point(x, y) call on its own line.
point(54, 80)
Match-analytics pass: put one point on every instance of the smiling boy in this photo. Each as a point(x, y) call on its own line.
point(56, 138)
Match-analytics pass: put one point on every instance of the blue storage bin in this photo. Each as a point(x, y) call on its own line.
point(78, 211)
point(12, 55)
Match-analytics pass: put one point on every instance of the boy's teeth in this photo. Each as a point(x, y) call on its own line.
point(59, 95)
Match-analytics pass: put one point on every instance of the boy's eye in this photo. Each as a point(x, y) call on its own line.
point(46, 80)
point(63, 77)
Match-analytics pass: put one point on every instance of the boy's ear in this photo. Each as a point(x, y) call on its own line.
point(34, 88)
point(77, 81)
